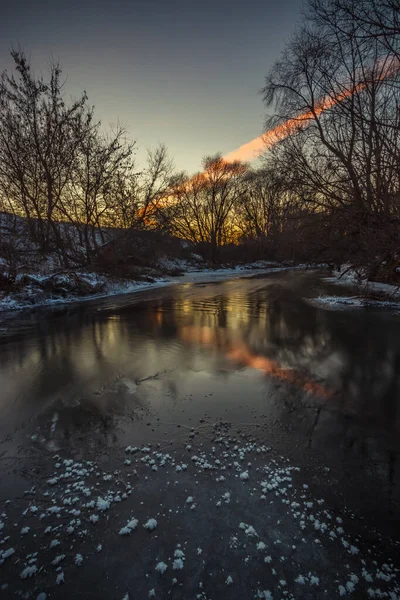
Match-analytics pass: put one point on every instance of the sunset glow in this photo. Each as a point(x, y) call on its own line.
point(238, 352)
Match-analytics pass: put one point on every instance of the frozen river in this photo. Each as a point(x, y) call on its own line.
point(209, 440)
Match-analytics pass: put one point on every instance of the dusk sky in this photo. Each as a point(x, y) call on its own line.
point(179, 72)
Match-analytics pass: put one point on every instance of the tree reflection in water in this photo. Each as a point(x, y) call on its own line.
point(86, 364)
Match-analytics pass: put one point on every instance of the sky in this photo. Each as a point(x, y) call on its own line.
point(184, 73)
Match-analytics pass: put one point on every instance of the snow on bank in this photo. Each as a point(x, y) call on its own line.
point(336, 302)
point(117, 287)
point(352, 277)
point(388, 295)
point(31, 299)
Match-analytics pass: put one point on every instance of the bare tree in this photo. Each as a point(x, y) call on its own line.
point(343, 160)
point(370, 19)
point(257, 210)
point(103, 168)
point(155, 185)
point(201, 207)
point(40, 135)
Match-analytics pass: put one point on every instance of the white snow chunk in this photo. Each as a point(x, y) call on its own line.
point(60, 578)
point(161, 567)
point(300, 579)
point(150, 525)
point(78, 560)
point(189, 500)
point(54, 510)
point(94, 518)
point(177, 564)
point(229, 580)
point(248, 529)
point(244, 475)
point(29, 572)
point(264, 595)
point(25, 530)
point(152, 593)
point(102, 504)
point(261, 546)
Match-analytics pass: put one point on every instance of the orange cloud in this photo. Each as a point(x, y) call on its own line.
point(247, 152)
point(254, 148)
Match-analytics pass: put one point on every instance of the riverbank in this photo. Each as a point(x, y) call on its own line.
point(364, 293)
point(46, 290)
point(38, 290)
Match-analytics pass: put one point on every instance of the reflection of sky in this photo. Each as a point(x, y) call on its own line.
point(184, 73)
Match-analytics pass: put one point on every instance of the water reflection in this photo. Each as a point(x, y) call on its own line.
point(90, 362)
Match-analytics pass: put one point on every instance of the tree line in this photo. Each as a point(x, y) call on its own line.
point(341, 171)
point(59, 170)
point(327, 191)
